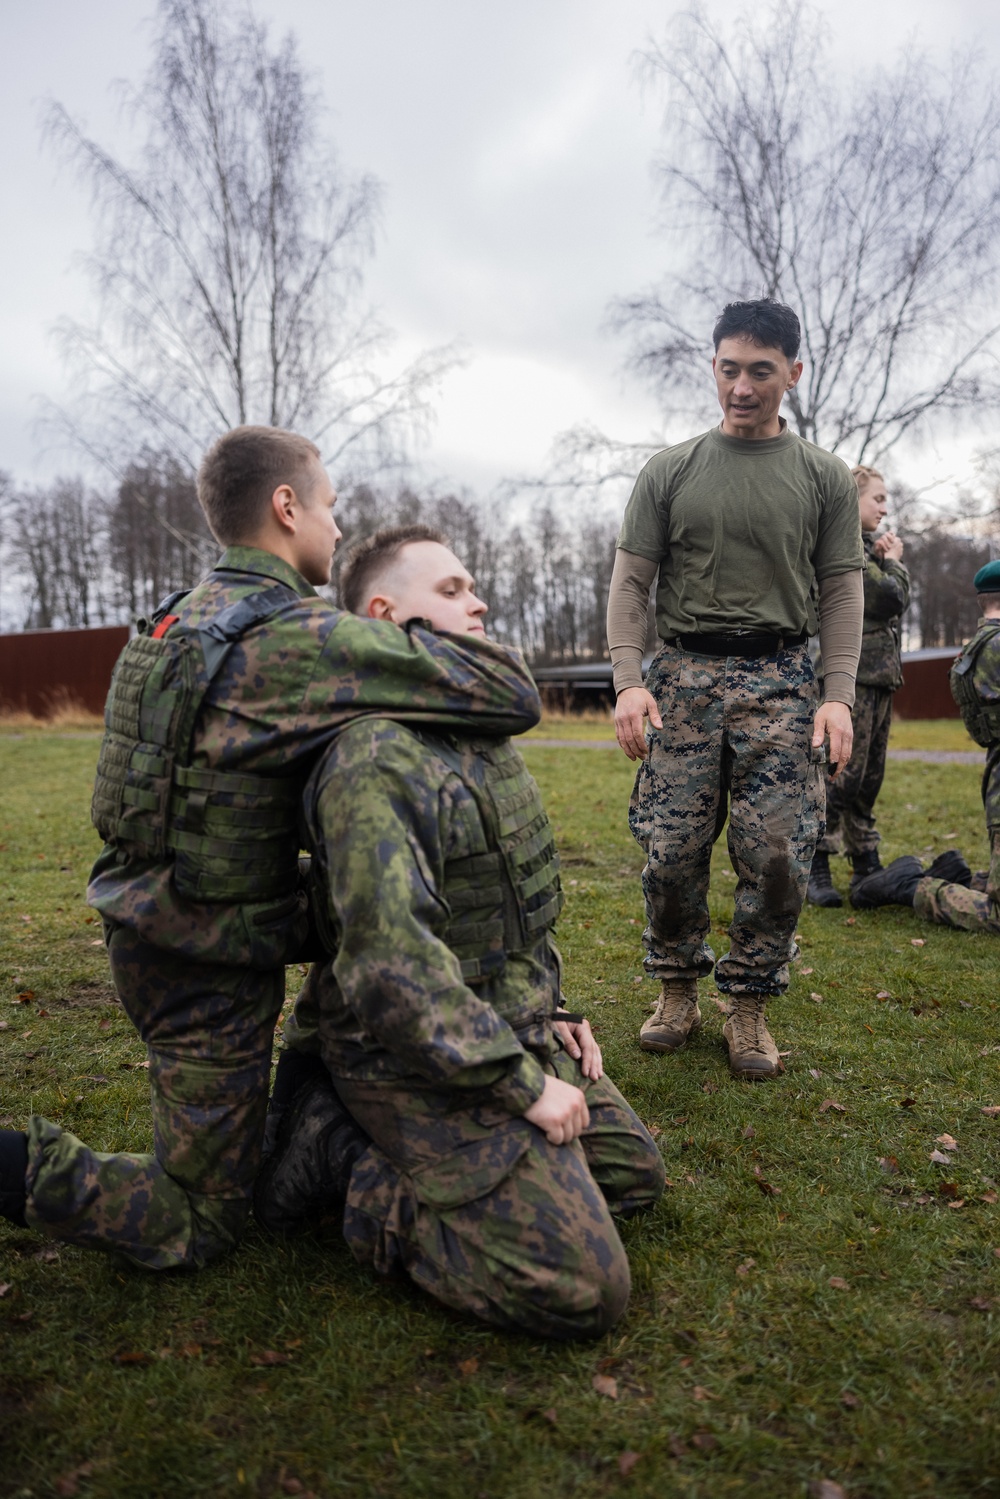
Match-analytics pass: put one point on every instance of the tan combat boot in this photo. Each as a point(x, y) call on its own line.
point(675, 1018)
point(752, 1052)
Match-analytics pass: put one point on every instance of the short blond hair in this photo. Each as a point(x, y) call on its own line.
point(863, 476)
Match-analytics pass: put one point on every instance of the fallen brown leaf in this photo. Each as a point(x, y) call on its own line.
point(838, 1283)
point(825, 1488)
point(292, 1485)
point(25, 997)
point(686, 1361)
point(851, 921)
point(991, 1110)
point(766, 1187)
point(627, 1461)
point(676, 1447)
point(69, 1483)
point(958, 1203)
point(849, 1400)
point(938, 1158)
point(700, 1393)
point(132, 1358)
point(749, 1132)
point(817, 999)
point(883, 994)
point(806, 971)
point(711, 1086)
point(948, 1189)
point(720, 1004)
point(889, 1164)
point(907, 1103)
point(746, 1267)
point(605, 1385)
point(948, 1141)
point(917, 942)
point(269, 1358)
point(988, 1197)
point(831, 1103)
point(981, 1304)
point(704, 1441)
point(815, 1072)
point(467, 1367)
point(551, 1415)
point(4, 1288)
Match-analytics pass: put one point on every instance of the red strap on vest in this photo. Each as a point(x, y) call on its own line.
point(164, 625)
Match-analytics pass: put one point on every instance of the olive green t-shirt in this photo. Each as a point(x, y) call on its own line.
point(741, 530)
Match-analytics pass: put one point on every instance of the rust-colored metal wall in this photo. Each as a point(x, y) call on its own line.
point(925, 692)
point(41, 669)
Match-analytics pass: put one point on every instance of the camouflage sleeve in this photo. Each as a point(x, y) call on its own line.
point(887, 589)
point(380, 816)
point(455, 682)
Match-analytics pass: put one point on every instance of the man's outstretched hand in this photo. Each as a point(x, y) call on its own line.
point(834, 720)
point(633, 707)
point(561, 1112)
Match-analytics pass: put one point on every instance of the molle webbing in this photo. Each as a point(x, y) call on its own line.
point(231, 836)
point(501, 901)
point(981, 718)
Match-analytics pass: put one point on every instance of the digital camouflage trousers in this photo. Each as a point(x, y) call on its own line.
point(735, 730)
point(208, 1031)
point(954, 905)
point(479, 1210)
point(850, 799)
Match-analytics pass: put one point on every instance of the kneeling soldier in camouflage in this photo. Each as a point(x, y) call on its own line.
point(475, 1144)
point(943, 892)
point(218, 710)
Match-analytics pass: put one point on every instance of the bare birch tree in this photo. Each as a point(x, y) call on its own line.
point(871, 206)
point(229, 261)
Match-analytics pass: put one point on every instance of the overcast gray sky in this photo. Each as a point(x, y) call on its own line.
point(514, 145)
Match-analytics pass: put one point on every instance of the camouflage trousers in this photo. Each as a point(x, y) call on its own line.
point(479, 1210)
point(850, 799)
point(734, 728)
point(954, 905)
point(208, 1030)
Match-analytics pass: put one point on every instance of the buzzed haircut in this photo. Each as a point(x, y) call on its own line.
point(240, 473)
point(369, 560)
point(989, 600)
point(765, 322)
point(864, 475)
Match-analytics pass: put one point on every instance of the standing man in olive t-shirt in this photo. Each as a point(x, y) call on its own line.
point(746, 527)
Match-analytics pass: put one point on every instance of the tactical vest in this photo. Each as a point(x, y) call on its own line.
point(503, 900)
point(231, 837)
point(981, 718)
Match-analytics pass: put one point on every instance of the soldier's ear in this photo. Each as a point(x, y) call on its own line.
point(380, 607)
point(285, 505)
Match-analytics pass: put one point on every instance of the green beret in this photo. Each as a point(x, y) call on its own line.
point(987, 579)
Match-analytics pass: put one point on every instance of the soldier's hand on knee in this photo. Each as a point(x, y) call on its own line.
point(578, 1039)
point(561, 1112)
point(833, 720)
point(633, 707)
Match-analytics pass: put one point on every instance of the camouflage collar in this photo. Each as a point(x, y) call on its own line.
point(265, 565)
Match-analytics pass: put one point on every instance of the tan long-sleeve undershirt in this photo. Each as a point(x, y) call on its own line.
point(841, 609)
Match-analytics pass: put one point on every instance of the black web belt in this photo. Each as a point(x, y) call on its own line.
point(739, 643)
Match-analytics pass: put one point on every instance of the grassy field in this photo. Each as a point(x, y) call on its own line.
point(813, 1298)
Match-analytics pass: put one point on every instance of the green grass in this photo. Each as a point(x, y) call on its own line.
point(931, 734)
point(888, 1387)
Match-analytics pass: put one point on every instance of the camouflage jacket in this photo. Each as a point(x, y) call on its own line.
point(284, 688)
point(887, 594)
point(986, 680)
point(386, 814)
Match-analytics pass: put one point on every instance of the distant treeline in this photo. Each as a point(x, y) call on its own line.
point(73, 556)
